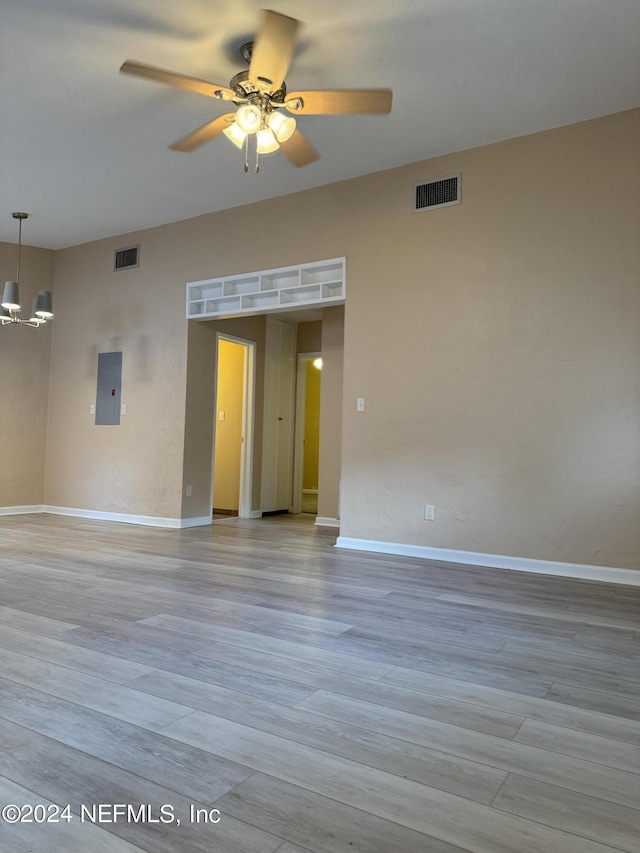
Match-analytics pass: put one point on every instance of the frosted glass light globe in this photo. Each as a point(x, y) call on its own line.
point(283, 126)
point(235, 134)
point(249, 118)
point(267, 141)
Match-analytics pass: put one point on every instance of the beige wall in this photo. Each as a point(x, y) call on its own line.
point(309, 337)
point(228, 432)
point(331, 389)
point(134, 468)
point(497, 344)
point(24, 380)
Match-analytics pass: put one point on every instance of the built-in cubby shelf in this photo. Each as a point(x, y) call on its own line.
point(285, 289)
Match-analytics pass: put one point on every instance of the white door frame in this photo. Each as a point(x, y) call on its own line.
point(298, 441)
point(248, 409)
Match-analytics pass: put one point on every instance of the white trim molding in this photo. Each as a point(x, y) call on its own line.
point(124, 517)
point(20, 510)
point(120, 517)
point(327, 522)
point(607, 574)
point(202, 521)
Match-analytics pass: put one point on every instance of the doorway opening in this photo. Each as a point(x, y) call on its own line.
point(307, 435)
point(232, 465)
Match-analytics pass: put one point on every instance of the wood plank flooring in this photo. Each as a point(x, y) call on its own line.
point(321, 701)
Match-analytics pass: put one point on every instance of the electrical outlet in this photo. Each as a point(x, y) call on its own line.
point(123, 409)
point(189, 491)
point(429, 512)
point(221, 416)
point(92, 409)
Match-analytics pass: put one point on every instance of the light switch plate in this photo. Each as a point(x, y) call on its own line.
point(360, 404)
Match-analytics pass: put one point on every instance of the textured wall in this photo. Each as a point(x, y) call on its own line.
point(135, 467)
point(309, 338)
point(497, 344)
point(330, 458)
point(24, 380)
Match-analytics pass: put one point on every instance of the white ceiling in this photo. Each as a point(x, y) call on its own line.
point(84, 150)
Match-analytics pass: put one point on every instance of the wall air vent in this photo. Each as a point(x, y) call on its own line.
point(126, 259)
point(442, 192)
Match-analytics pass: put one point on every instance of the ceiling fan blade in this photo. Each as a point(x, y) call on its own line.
point(181, 81)
point(340, 101)
point(298, 150)
point(203, 134)
point(273, 49)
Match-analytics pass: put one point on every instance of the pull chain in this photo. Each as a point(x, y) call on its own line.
point(246, 154)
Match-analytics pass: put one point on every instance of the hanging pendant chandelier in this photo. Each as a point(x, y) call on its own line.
point(10, 310)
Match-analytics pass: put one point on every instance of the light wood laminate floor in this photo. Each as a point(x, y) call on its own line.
point(322, 701)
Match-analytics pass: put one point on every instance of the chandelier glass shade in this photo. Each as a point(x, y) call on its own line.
point(41, 309)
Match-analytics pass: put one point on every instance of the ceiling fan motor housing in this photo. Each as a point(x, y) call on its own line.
point(245, 88)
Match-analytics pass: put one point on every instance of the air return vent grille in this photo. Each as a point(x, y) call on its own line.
point(442, 192)
point(126, 259)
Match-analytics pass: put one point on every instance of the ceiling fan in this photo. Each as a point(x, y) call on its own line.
point(265, 109)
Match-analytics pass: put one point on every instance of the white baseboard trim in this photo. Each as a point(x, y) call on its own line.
point(124, 517)
point(327, 522)
point(20, 510)
point(495, 561)
point(202, 521)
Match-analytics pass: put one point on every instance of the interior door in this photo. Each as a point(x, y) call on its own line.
point(230, 394)
point(279, 409)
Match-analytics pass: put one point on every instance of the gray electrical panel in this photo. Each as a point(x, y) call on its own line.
point(109, 388)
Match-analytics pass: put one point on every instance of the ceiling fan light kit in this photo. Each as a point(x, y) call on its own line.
point(260, 94)
point(41, 309)
point(249, 118)
point(235, 133)
point(283, 126)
